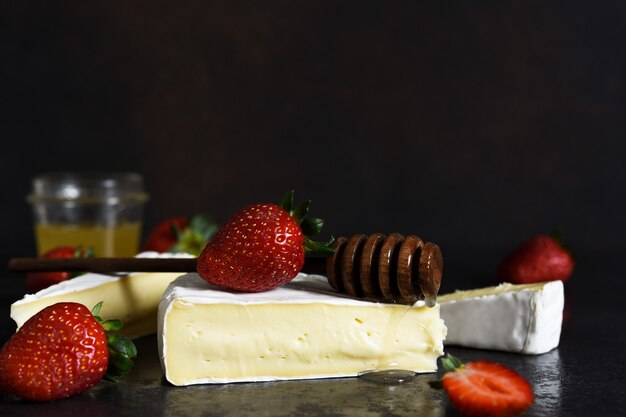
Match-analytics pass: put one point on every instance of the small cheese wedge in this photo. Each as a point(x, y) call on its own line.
point(513, 318)
point(299, 331)
point(133, 298)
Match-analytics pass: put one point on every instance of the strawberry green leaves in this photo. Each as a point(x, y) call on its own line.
point(122, 351)
point(181, 234)
point(310, 226)
point(193, 238)
point(451, 363)
point(122, 354)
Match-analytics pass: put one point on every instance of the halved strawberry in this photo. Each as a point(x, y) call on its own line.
point(484, 388)
point(261, 247)
point(36, 281)
point(62, 351)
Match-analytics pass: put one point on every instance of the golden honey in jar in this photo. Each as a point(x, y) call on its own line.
point(98, 210)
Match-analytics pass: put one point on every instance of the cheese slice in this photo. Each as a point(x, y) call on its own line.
point(133, 298)
point(299, 331)
point(513, 318)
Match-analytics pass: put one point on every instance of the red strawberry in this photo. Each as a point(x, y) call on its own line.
point(36, 281)
point(261, 247)
point(485, 388)
point(541, 258)
point(180, 234)
point(62, 351)
point(165, 234)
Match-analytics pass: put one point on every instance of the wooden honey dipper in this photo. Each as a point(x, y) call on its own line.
point(390, 268)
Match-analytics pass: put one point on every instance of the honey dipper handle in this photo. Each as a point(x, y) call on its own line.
point(111, 265)
point(103, 265)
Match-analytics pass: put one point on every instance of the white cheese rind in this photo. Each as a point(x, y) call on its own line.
point(523, 319)
point(131, 298)
point(299, 331)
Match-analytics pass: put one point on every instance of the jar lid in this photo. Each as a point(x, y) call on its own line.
point(88, 187)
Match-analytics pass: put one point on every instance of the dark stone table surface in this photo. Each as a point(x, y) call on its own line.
point(584, 376)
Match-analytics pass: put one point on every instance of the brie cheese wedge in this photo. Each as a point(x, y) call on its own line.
point(133, 298)
point(513, 318)
point(299, 331)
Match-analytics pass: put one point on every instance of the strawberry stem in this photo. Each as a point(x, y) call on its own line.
point(301, 211)
point(80, 252)
point(557, 234)
point(112, 325)
point(451, 363)
point(96, 310)
point(287, 201)
point(122, 351)
point(309, 226)
point(193, 238)
point(312, 247)
point(122, 354)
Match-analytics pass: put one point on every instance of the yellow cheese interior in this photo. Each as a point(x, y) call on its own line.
point(481, 292)
point(231, 341)
point(134, 299)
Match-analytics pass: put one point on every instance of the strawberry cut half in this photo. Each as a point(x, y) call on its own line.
point(483, 388)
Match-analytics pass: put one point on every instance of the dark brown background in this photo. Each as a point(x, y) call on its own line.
point(472, 124)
